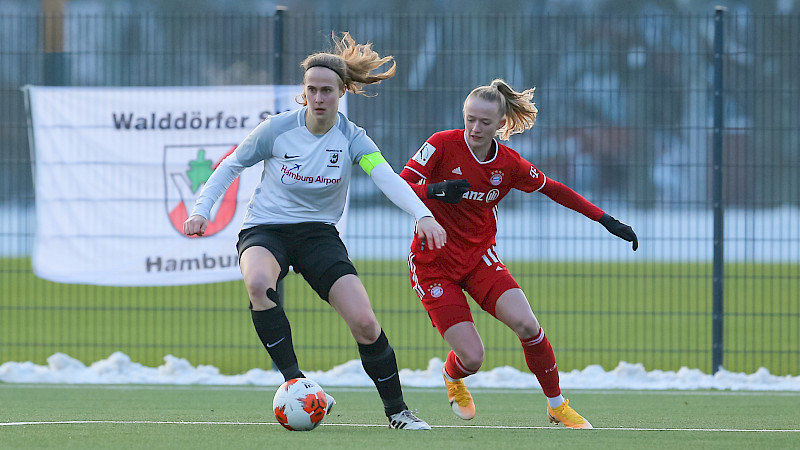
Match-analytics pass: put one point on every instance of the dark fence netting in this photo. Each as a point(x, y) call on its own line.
point(626, 118)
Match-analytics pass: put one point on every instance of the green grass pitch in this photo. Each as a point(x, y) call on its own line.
point(64, 416)
point(651, 313)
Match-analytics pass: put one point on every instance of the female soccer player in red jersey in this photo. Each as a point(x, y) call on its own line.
point(462, 175)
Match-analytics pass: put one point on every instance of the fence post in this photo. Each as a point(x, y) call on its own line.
point(277, 79)
point(277, 72)
point(277, 46)
point(718, 276)
point(55, 65)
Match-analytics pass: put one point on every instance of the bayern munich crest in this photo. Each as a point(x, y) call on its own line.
point(437, 291)
point(496, 178)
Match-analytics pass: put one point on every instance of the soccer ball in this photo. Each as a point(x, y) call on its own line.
point(300, 404)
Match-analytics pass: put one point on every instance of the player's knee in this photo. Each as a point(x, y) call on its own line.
point(257, 286)
point(472, 358)
point(365, 328)
point(523, 326)
point(527, 329)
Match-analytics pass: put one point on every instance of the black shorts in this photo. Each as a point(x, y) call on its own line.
point(313, 249)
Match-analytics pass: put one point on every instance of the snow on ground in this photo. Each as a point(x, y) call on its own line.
point(119, 369)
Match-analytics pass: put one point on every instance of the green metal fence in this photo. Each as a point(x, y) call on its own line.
point(627, 118)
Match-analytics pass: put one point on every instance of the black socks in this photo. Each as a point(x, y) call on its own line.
point(380, 364)
point(275, 333)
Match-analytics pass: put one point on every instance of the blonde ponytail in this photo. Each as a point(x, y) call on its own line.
point(518, 109)
point(353, 62)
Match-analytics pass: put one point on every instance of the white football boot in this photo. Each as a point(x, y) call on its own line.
point(406, 420)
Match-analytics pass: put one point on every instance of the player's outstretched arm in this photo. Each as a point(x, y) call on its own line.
point(619, 229)
point(401, 194)
point(563, 195)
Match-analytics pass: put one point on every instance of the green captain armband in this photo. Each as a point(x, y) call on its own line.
point(370, 161)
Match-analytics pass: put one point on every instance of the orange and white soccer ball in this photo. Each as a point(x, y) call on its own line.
point(300, 404)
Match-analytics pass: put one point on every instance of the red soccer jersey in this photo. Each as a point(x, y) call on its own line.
point(471, 224)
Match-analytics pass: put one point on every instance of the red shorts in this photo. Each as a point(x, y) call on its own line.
point(440, 286)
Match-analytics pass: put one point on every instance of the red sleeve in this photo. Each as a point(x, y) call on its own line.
point(563, 195)
point(411, 176)
point(413, 179)
point(529, 178)
point(418, 169)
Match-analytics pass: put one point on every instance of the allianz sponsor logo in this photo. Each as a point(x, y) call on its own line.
point(488, 197)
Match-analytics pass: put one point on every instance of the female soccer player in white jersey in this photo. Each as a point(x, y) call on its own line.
point(463, 175)
point(308, 157)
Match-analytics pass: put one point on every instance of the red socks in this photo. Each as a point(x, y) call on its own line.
point(454, 368)
point(542, 362)
point(538, 355)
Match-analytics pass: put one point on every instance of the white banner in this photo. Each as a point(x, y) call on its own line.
point(117, 170)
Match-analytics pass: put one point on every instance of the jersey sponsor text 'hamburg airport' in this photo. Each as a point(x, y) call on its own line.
point(291, 175)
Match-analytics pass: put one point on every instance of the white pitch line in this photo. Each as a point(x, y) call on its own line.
point(489, 390)
point(498, 427)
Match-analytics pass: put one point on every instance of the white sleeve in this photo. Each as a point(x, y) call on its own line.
point(398, 191)
point(217, 184)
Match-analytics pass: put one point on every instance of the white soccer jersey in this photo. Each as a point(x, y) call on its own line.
point(305, 177)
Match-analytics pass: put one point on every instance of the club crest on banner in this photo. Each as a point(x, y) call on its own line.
point(186, 170)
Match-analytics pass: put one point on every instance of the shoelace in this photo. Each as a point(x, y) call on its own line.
point(404, 418)
point(410, 415)
point(569, 413)
point(458, 390)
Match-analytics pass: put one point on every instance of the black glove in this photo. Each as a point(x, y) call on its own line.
point(448, 191)
point(619, 229)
